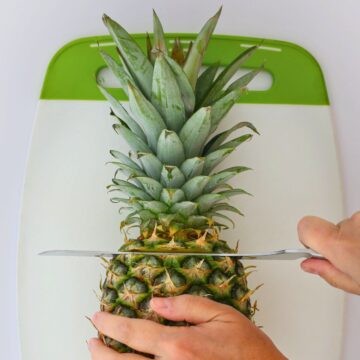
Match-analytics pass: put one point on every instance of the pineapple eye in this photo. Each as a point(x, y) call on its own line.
point(109, 296)
point(238, 292)
point(133, 286)
point(195, 262)
point(118, 268)
point(145, 304)
point(124, 311)
point(152, 261)
point(170, 278)
point(218, 278)
point(199, 291)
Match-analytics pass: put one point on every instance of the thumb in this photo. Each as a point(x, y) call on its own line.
point(190, 308)
point(319, 235)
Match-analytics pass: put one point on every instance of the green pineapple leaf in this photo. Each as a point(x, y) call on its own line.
point(146, 115)
point(223, 176)
point(126, 169)
point(184, 208)
point(170, 149)
point(151, 186)
point(150, 54)
point(159, 37)
point(198, 221)
point(222, 106)
point(215, 158)
point(207, 201)
point(186, 90)
point(192, 167)
point(226, 207)
point(121, 112)
point(146, 215)
point(227, 74)
point(234, 192)
point(166, 96)
point(130, 220)
point(190, 44)
point(118, 200)
point(221, 216)
point(172, 177)
point(134, 141)
point(156, 207)
point(205, 81)
point(196, 54)
point(138, 64)
point(236, 142)
point(151, 164)
point(172, 196)
point(194, 187)
point(166, 219)
point(195, 132)
point(129, 189)
point(243, 81)
point(125, 159)
point(217, 140)
point(118, 71)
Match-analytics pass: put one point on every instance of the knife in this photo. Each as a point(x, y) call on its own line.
point(284, 254)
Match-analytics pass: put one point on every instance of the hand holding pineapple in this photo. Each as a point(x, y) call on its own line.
point(340, 244)
point(220, 332)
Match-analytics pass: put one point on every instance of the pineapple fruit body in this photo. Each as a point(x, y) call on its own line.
point(168, 183)
point(132, 280)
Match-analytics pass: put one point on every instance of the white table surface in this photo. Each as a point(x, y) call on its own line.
point(33, 30)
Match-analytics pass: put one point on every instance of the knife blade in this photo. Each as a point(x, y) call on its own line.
point(283, 254)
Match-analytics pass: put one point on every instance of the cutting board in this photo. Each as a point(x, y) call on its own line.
point(65, 204)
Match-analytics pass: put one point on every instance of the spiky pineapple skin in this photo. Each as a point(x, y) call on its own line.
point(132, 280)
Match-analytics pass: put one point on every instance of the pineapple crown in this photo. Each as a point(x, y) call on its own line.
point(173, 114)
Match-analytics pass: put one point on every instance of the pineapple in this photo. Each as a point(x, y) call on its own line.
point(175, 198)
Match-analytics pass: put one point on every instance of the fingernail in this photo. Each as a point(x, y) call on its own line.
point(160, 303)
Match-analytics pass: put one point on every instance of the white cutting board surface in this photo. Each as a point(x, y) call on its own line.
point(65, 205)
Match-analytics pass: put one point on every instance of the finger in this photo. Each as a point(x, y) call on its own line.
point(319, 235)
point(101, 352)
point(190, 308)
point(142, 335)
point(331, 275)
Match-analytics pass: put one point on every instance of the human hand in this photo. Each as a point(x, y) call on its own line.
point(219, 332)
point(340, 244)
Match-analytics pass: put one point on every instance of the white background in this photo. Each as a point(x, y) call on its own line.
point(33, 30)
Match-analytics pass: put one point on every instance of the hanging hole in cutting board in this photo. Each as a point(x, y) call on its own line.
point(262, 82)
